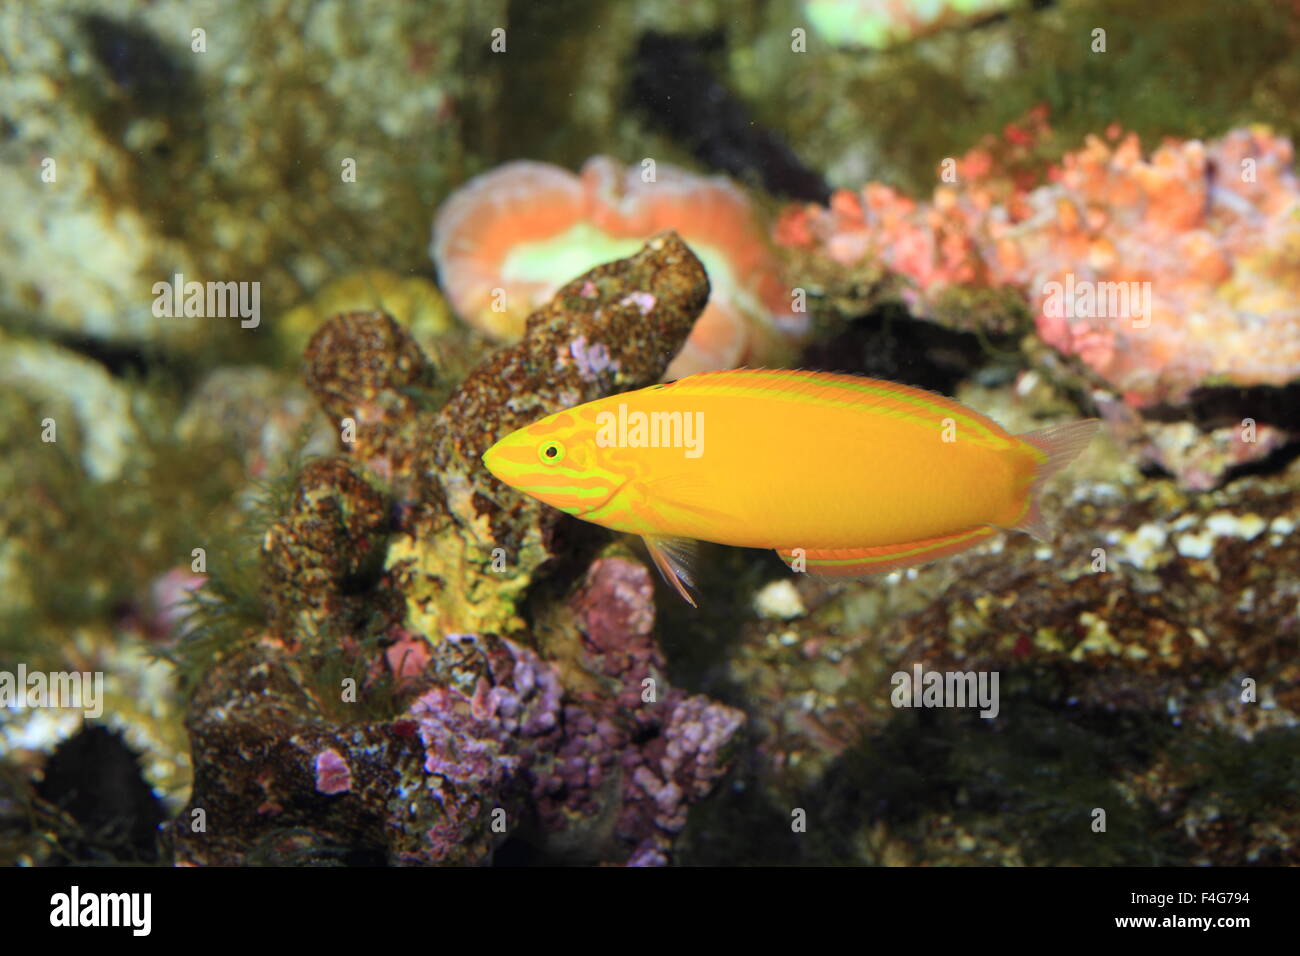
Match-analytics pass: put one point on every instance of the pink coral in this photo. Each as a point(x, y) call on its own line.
point(333, 775)
point(1161, 274)
point(406, 656)
point(1206, 235)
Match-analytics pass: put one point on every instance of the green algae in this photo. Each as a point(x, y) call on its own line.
point(224, 614)
point(89, 545)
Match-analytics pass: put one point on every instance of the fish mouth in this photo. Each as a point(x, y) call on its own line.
point(495, 462)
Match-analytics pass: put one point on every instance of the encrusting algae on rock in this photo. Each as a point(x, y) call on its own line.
point(414, 302)
point(396, 706)
point(615, 327)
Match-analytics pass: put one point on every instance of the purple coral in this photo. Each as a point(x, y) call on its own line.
point(594, 359)
point(678, 767)
point(519, 734)
point(683, 753)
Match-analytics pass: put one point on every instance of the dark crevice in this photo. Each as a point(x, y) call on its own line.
point(129, 360)
point(95, 779)
point(675, 88)
point(1225, 406)
point(887, 343)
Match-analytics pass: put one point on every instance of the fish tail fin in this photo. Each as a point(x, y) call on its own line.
point(1062, 444)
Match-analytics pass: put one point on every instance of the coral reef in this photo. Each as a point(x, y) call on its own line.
point(385, 657)
point(501, 241)
point(1209, 229)
point(396, 705)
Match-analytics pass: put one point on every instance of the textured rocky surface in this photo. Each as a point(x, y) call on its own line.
point(173, 152)
point(401, 703)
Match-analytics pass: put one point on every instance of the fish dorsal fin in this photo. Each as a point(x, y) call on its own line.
point(674, 558)
point(804, 382)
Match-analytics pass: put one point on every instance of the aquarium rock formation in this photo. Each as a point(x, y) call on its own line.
point(439, 679)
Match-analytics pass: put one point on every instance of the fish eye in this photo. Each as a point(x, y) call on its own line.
point(551, 452)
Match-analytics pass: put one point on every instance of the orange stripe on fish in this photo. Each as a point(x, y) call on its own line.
point(860, 475)
point(856, 562)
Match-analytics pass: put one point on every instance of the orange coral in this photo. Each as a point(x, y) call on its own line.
point(1159, 273)
point(507, 239)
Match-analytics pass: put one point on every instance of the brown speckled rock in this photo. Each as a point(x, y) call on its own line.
point(319, 555)
point(383, 714)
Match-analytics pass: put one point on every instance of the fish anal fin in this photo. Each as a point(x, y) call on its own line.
point(674, 558)
point(860, 562)
point(1033, 523)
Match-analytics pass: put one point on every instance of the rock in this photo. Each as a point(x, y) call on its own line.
point(394, 706)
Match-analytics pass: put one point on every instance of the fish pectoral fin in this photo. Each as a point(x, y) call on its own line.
point(686, 492)
point(859, 562)
point(674, 558)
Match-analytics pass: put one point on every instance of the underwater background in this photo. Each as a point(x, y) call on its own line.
point(275, 273)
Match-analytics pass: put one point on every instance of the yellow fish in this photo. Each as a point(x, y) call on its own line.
point(840, 475)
